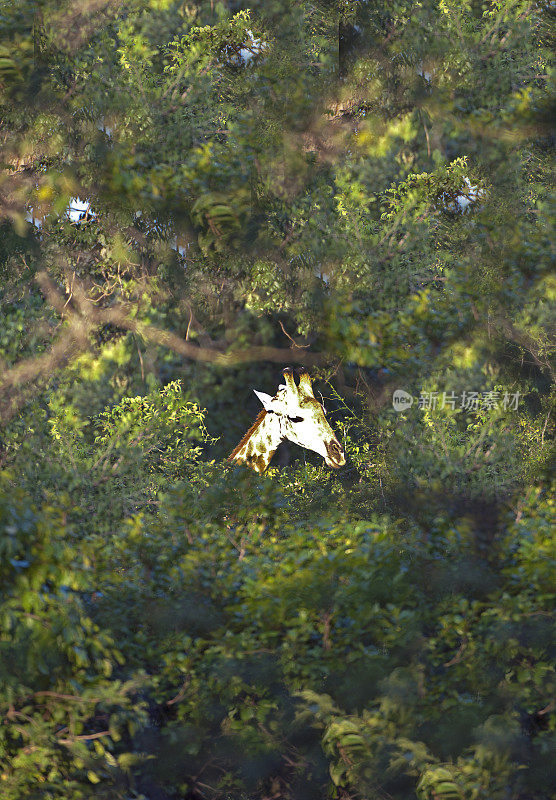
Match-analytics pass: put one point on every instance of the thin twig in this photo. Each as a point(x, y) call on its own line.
point(181, 694)
point(290, 338)
point(73, 697)
point(458, 656)
point(84, 737)
point(189, 323)
point(544, 428)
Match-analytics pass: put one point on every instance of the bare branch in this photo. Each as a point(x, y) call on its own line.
point(284, 331)
point(87, 317)
point(68, 345)
point(84, 738)
point(74, 697)
point(117, 316)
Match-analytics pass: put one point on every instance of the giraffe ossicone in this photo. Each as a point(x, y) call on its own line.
point(294, 414)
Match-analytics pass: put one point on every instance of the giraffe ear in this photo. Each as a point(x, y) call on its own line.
point(265, 399)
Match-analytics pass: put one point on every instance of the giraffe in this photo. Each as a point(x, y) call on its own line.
point(294, 414)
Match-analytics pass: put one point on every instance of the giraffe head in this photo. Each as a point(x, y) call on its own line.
point(302, 418)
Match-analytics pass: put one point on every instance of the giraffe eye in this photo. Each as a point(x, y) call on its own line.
point(295, 419)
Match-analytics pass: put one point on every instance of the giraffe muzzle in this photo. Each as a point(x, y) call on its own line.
point(336, 457)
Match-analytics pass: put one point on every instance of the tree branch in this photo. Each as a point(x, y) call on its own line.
point(87, 317)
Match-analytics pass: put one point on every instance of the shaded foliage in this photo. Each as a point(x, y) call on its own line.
point(192, 194)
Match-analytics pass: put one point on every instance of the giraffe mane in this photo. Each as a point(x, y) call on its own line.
point(261, 415)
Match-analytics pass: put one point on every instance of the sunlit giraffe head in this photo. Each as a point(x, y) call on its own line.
point(293, 414)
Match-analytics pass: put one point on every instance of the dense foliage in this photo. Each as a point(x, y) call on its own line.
point(192, 195)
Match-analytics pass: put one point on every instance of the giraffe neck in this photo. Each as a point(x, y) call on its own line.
point(259, 444)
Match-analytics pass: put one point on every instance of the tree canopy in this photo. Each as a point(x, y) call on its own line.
point(193, 196)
